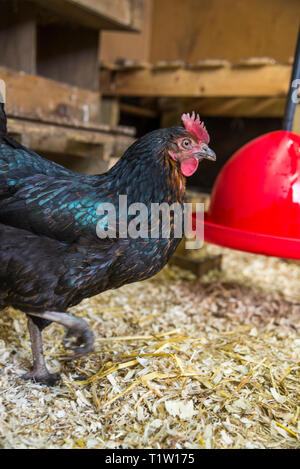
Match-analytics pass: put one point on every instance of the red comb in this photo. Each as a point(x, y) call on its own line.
point(193, 125)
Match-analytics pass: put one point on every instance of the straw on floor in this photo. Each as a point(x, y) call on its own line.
point(178, 363)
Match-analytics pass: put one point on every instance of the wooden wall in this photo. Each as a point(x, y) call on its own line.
point(17, 36)
point(134, 46)
point(195, 29)
point(68, 54)
point(230, 29)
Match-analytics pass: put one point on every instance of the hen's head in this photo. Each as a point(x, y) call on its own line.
point(177, 148)
point(190, 144)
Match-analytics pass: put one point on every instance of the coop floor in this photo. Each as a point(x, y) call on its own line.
point(178, 363)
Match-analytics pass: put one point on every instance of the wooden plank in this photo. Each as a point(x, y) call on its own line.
point(39, 98)
point(99, 14)
point(265, 81)
point(165, 65)
point(70, 141)
point(110, 111)
point(210, 63)
point(58, 139)
point(256, 62)
point(131, 65)
point(199, 267)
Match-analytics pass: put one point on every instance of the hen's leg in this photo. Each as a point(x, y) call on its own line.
point(77, 328)
point(39, 372)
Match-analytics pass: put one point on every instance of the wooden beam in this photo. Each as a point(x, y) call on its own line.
point(71, 141)
point(233, 81)
point(110, 111)
point(124, 15)
point(199, 267)
point(39, 98)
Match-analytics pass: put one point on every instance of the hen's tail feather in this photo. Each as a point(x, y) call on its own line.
point(4, 137)
point(3, 128)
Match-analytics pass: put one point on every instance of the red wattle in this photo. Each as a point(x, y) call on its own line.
point(189, 166)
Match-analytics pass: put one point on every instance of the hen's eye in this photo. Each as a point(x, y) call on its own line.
point(186, 143)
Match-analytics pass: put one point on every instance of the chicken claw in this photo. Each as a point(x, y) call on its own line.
point(78, 328)
point(50, 379)
point(83, 343)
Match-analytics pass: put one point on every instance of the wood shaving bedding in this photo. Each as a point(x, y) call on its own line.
point(178, 363)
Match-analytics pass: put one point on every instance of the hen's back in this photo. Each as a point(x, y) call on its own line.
point(18, 162)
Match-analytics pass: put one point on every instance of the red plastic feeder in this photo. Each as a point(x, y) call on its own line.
point(255, 203)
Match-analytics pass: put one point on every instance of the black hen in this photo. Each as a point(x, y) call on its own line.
point(51, 257)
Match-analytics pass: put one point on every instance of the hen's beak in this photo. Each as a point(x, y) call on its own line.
point(207, 153)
